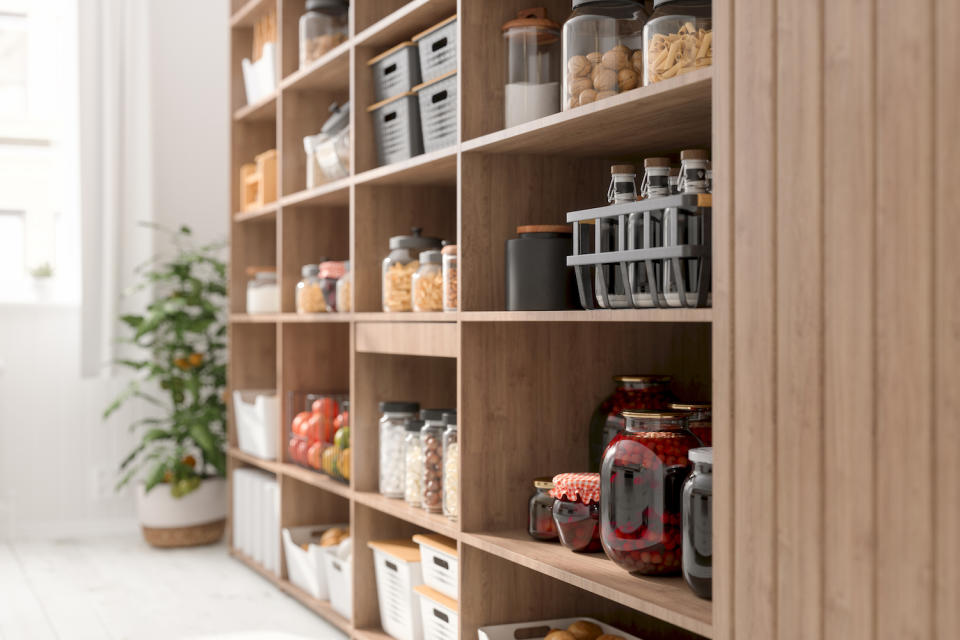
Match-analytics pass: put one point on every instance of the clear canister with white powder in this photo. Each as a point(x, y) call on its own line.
point(532, 87)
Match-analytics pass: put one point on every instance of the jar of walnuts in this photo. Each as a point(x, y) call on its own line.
point(399, 267)
point(602, 50)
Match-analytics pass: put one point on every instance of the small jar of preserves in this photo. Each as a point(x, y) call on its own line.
point(641, 479)
point(451, 467)
point(576, 511)
point(393, 416)
point(632, 392)
point(541, 525)
point(698, 524)
point(431, 442)
point(699, 420)
point(427, 282)
point(413, 463)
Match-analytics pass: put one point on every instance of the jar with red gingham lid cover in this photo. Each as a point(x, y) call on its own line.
point(576, 511)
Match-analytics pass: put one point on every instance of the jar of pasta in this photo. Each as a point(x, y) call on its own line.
point(399, 267)
point(428, 282)
point(450, 277)
point(677, 39)
point(344, 285)
point(309, 298)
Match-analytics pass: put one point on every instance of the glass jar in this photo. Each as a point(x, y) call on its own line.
point(449, 277)
point(330, 272)
point(532, 87)
point(344, 289)
point(413, 463)
point(431, 438)
point(309, 298)
point(451, 467)
point(427, 282)
point(610, 289)
point(682, 227)
point(698, 524)
point(634, 392)
point(677, 39)
point(540, 525)
point(392, 437)
point(602, 56)
point(400, 265)
point(575, 510)
point(656, 178)
point(328, 152)
point(699, 420)
point(263, 292)
point(322, 28)
point(641, 479)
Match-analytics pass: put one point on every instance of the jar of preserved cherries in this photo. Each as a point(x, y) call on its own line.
point(633, 392)
point(541, 526)
point(575, 510)
point(699, 420)
point(698, 524)
point(641, 480)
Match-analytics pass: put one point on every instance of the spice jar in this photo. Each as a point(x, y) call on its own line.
point(609, 285)
point(322, 28)
point(400, 265)
point(309, 296)
point(694, 169)
point(413, 463)
point(697, 498)
point(602, 55)
point(656, 178)
point(641, 479)
point(677, 39)
point(632, 392)
point(575, 510)
point(330, 272)
point(431, 438)
point(263, 293)
point(427, 282)
point(451, 467)
point(392, 437)
point(449, 277)
point(344, 287)
point(541, 525)
point(538, 278)
point(681, 227)
point(699, 420)
point(532, 87)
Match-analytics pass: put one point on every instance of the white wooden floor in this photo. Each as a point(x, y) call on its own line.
point(118, 587)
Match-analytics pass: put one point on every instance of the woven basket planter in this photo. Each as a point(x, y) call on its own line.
point(195, 519)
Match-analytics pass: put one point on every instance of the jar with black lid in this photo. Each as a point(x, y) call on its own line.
point(678, 39)
point(538, 278)
point(698, 523)
point(322, 28)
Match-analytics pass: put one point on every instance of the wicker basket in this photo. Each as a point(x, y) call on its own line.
point(198, 534)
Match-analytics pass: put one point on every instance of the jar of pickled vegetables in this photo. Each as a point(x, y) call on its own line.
point(632, 392)
point(699, 420)
point(576, 511)
point(641, 480)
point(677, 39)
point(541, 525)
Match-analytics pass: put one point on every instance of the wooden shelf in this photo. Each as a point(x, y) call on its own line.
point(307, 318)
point(425, 316)
point(668, 599)
point(256, 318)
point(436, 167)
point(441, 340)
point(263, 110)
point(315, 479)
point(332, 194)
point(600, 315)
point(403, 23)
point(330, 72)
point(414, 515)
point(267, 465)
point(371, 634)
point(248, 13)
point(263, 214)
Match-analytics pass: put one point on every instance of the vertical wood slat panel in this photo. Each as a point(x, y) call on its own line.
point(946, 293)
point(849, 402)
point(904, 393)
point(754, 318)
point(799, 317)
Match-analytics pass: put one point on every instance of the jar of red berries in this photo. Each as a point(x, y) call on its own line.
point(699, 420)
point(632, 393)
point(541, 526)
point(576, 512)
point(641, 483)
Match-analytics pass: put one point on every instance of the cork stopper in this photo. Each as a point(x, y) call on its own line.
point(694, 154)
point(622, 168)
point(655, 162)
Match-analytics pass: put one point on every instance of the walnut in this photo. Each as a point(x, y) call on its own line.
point(594, 57)
point(588, 95)
point(574, 102)
point(605, 94)
point(636, 60)
point(605, 79)
point(617, 58)
point(627, 79)
point(579, 84)
point(579, 66)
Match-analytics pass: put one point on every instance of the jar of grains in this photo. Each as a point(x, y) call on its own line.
point(449, 277)
point(310, 291)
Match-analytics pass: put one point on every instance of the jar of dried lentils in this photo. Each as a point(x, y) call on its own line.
point(399, 267)
point(541, 525)
point(576, 512)
point(641, 480)
point(632, 392)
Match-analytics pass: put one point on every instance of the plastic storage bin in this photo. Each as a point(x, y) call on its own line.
point(540, 628)
point(439, 613)
point(256, 517)
point(396, 128)
point(339, 573)
point(257, 418)
point(437, 49)
point(439, 561)
point(438, 111)
point(397, 568)
point(305, 566)
point(395, 71)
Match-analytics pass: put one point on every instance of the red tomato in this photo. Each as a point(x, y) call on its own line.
point(292, 447)
point(301, 451)
point(313, 455)
point(299, 423)
point(312, 430)
point(326, 408)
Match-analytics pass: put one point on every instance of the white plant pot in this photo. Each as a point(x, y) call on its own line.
point(196, 518)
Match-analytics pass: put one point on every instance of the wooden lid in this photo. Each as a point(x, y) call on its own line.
point(254, 270)
point(424, 85)
point(532, 17)
point(429, 30)
point(404, 550)
point(436, 596)
point(436, 541)
point(694, 154)
point(382, 103)
point(545, 228)
point(449, 250)
point(378, 58)
point(622, 168)
point(656, 162)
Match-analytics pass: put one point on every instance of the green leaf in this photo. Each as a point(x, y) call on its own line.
point(132, 321)
point(156, 475)
point(156, 434)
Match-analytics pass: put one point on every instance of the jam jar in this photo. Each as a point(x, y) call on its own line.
point(641, 479)
point(632, 392)
point(541, 525)
point(698, 524)
point(575, 510)
point(699, 420)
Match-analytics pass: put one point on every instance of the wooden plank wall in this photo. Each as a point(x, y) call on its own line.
point(837, 358)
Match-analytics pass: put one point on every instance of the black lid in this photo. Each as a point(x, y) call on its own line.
point(450, 418)
point(413, 424)
point(338, 120)
point(657, 3)
point(626, 3)
point(435, 415)
point(328, 6)
point(414, 241)
point(399, 407)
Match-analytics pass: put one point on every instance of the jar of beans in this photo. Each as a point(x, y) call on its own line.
point(431, 439)
point(632, 392)
point(698, 524)
point(641, 480)
point(699, 420)
point(392, 436)
point(451, 467)
point(413, 463)
point(576, 512)
point(541, 526)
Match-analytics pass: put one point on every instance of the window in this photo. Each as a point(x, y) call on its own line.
point(13, 63)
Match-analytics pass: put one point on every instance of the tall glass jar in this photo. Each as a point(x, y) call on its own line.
point(540, 525)
point(602, 55)
point(641, 479)
point(698, 524)
point(632, 392)
point(575, 511)
point(699, 420)
point(400, 265)
point(392, 436)
point(344, 289)
point(413, 463)
point(678, 39)
point(427, 282)
point(532, 87)
point(263, 292)
point(309, 297)
point(451, 467)
point(322, 28)
point(449, 277)
point(431, 438)
point(330, 272)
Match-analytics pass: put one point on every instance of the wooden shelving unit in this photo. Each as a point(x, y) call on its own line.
point(524, 383)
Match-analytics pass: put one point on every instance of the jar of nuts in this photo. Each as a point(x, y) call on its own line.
point(399, 267)
point(602, 50)
point(322, 28)
point(677, 40)
point(431, 438)
point(428, 282)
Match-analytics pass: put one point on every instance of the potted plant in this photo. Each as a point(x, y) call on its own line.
point(42, 275)
point(179, 462)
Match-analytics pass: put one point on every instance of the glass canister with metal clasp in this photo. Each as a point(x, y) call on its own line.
point(697, 549)
point(611, 292)
point(532, 88)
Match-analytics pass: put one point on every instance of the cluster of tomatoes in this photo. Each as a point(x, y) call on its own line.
point(320, 437)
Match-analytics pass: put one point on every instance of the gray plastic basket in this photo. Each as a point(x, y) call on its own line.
point(396, 126)
point(395, 71)
point(438, 112)
point(438, 49)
